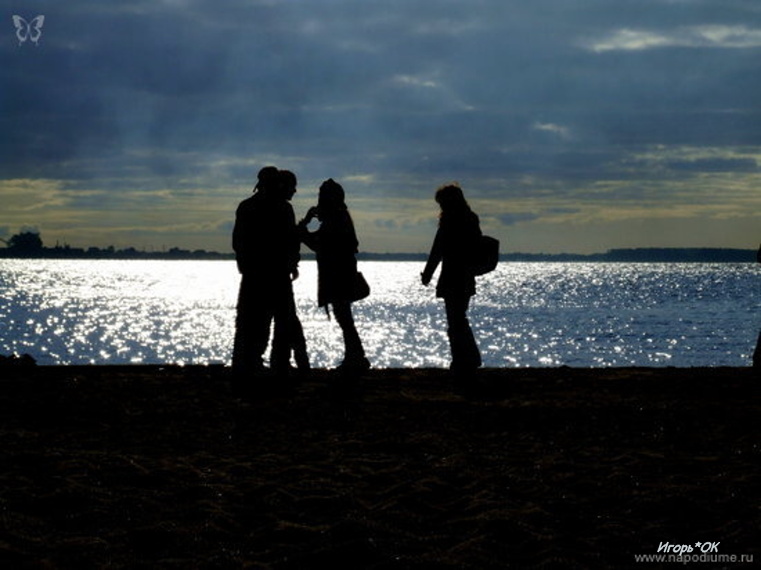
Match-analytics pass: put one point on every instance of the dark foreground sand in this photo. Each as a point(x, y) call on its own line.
point(149, 467)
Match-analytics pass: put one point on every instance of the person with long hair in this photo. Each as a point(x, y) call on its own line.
point(335, 245)
point(457, 235)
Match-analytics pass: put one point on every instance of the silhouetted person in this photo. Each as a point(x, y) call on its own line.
point(335, 244)
point(266, 251)
point(453, 247)
point(288, 183)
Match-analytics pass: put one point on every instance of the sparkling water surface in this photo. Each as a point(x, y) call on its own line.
point(525, 314)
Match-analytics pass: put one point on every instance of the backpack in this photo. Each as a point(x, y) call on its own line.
point(486, 255)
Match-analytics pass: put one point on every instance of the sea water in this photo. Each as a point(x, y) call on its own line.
point(524, 314)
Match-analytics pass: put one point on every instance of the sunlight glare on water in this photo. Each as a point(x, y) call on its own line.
point(525, 314)
point(108, 311)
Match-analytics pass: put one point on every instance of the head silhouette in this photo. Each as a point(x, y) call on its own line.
point(452, 200)
point(288, 183)
point(268, 179)
point(331, 197)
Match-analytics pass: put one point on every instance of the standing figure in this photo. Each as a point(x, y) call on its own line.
point(298, 343)
point(335, 244)
point(266, 251)
point(453, 247)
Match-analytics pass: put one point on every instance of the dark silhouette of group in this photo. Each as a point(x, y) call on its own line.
point(266, 244)
point(267, 240)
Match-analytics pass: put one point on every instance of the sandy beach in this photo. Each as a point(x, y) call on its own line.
point(164, 467)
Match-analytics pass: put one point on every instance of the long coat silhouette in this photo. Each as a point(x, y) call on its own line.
point(453, 248)
point(335, 245)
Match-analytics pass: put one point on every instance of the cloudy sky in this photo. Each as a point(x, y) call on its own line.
point(572, 125)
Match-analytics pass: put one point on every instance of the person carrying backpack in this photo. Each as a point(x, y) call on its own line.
point(457, 237)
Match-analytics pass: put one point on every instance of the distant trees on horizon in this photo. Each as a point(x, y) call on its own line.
point(25, 243)
point(29, 244)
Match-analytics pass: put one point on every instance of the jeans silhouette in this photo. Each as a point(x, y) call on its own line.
point(254, 318)
point(465, 353)
point(353, 350)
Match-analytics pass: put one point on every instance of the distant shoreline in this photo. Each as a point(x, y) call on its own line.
point(633, 255)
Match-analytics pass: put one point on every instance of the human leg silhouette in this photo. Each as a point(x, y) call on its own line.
point(462, 343)
point(252, 326)
point(354, 352)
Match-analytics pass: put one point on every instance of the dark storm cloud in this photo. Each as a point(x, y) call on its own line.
point(512, 98)
point(422, 77)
